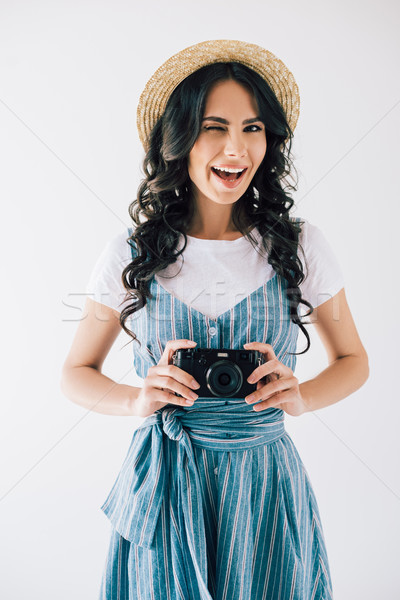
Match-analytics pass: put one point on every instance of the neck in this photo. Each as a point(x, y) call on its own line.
point(212, 221)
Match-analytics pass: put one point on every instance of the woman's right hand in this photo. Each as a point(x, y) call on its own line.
point(163, 380)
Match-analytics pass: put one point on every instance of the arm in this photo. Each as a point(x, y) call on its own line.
point(348, 366)
point(82, 380)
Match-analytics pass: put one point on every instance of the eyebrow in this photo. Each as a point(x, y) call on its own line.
point(225, 122)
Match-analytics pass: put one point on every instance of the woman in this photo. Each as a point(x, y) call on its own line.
point(213, 500)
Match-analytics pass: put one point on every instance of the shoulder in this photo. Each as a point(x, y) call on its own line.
point(312, 239)
point(323, 273)
point(118, 248)
point(105, 282)
point(113, 257)
point(307, 229)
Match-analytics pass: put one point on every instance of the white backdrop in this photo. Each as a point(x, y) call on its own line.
point(71, 75)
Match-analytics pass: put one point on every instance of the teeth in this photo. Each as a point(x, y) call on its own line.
point(229, 170)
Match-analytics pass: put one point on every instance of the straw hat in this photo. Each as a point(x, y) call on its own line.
point(154, 98)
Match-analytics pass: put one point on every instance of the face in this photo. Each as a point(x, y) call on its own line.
point(231, 138)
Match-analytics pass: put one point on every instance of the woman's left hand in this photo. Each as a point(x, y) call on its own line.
point(282, 390)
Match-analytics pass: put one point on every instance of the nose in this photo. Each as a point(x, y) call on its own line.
point(235, 145)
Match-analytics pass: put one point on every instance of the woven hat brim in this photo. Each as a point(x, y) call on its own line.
point(171, 73)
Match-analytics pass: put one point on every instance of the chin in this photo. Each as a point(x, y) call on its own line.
point(225, 197)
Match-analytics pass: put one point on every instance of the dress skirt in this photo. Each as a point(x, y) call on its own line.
point(263, 534)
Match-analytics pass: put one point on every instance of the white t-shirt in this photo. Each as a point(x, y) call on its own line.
point(214, 275)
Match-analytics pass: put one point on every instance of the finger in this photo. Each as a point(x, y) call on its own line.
point(287, 401)
point(173, 345)
point(273, 387)
point(169, 384)
point(275, 402)
point(176, 373)
point(268, 354)
point(165, 396)
point(264, 380)
point(266, 349)
point(171, 398)
point(274, 369)
point(273, 377)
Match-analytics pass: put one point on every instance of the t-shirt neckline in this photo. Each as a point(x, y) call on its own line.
point(203, 241)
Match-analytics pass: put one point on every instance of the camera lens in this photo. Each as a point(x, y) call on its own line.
point(224, 378)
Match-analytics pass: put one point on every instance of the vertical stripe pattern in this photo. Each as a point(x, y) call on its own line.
point(213, 501)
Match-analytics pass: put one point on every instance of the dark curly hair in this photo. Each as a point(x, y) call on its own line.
point(164, 205)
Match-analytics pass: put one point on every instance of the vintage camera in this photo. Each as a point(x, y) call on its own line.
point(220, 372)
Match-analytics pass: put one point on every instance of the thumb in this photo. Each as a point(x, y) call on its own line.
point(173, 345)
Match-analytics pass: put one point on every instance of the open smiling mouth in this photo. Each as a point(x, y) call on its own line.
point(227, 175)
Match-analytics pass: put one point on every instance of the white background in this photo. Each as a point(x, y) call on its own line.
point(71, 75)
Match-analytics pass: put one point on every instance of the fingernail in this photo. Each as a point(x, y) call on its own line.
point(191, 342)
point(251, 379)
point(250, 399)
point(193, 395)
point(194, 384)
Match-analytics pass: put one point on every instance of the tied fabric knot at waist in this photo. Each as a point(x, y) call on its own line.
point(134, 502)
point(170, 422)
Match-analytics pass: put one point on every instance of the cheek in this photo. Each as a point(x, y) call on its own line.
point(198, 160)
point(191, 164)
point(194, 166)
point(205, 149)
point(260, 151)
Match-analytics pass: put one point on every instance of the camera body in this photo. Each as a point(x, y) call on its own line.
point(221, 372)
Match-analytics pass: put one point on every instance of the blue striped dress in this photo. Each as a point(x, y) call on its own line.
point(213, 501)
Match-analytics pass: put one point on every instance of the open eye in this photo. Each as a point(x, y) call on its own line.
point(253, 128)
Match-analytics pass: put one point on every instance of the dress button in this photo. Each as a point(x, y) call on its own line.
point(212, 330)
